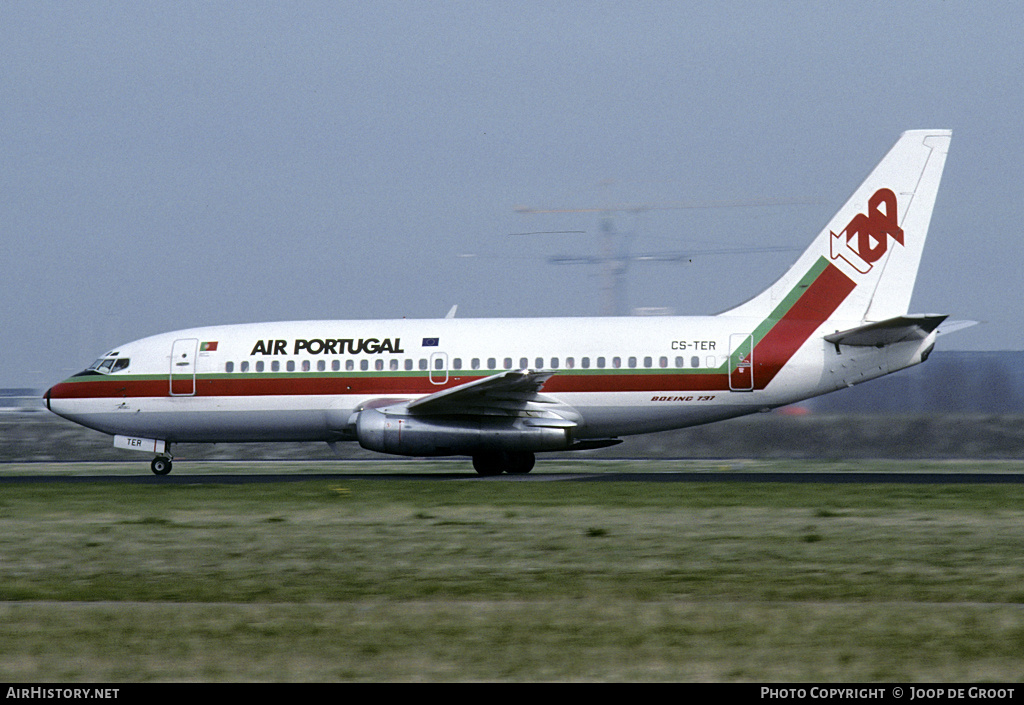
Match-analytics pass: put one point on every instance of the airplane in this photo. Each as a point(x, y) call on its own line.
point(502, 390)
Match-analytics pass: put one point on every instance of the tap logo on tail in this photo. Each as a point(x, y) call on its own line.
point(866, 238)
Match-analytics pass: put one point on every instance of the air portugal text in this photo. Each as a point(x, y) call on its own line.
point(329, 346)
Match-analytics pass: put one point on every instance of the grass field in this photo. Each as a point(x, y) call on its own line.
point(363, 579)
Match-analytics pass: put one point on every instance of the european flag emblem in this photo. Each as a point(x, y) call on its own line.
point(430, 342)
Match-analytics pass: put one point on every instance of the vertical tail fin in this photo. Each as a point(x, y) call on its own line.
point(862, 266)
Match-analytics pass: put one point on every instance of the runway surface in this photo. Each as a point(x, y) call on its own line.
point(905, 478)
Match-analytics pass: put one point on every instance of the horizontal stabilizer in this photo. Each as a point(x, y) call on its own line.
point(954, 326)
point(893, 330)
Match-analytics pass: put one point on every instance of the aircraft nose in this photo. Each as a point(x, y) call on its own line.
point(55, 398)
point(69, 400)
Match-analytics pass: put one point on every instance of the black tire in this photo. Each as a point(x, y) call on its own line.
point(488, 464)
point(161, 466)
point(519, 463)
point(491, 464)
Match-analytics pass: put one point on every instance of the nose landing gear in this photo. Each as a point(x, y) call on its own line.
point(161, 465)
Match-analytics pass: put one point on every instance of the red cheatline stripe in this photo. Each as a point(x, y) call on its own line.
point(821, 298)
point(812, 309)
point(312, 386)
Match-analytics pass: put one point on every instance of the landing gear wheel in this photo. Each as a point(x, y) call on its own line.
point(161, 466)
point(491, 464)
point(487, 464)
point(519, 463)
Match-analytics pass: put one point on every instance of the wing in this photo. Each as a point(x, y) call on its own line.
point(513, 394)
point(502, 413)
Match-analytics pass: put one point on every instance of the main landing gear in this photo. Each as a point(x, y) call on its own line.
point(161, 465)
point(513, 463)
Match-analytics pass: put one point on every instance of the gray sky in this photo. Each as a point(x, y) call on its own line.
point(167, 165)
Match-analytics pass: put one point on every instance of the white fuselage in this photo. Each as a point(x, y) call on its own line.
point(295, 381)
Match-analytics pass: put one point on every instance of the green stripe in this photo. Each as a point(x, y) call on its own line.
point(780, 310)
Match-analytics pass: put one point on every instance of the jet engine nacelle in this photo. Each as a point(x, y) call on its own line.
point(406, 434)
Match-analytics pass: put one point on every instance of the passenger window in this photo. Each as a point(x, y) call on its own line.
point(245, 366)
point(408, 363)
point(350, 365)
point(457, 363)
point(648, 362)
point(508, 363)
point(585, 363)
point(600, 363)
point(523, 363)
point(275, 366)
point(321, 365)
point(259, 365)
point(540, 363)
point(378, 364)
point(423, 363)
point(491, 363)
point(364, 365)
point(663, 362)
point(554, 363)
point(632, 362)
point(291, 365)
point(616, 362)
point(229, 367)
point(694, 361)
point(475, 364)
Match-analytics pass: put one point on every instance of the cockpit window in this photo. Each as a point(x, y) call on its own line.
point(108, 365)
